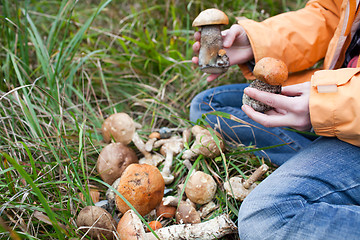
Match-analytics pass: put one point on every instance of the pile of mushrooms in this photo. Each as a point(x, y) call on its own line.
point(140, 185)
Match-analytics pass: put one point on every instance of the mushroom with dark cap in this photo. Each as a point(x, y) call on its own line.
point(113, 160)
point(96, 222)
point(143, 186)
point(270, 74)
point(212, 56)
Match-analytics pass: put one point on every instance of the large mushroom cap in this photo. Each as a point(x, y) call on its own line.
point(113, 160)
point(143, 186)
point(211, 16)
point(98, 220)
point(119, 126)
point(270, 70)
point(200, 188)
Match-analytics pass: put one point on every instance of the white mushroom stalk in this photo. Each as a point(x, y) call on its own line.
point(239, 188)
point(169, 147)
point(130, 226)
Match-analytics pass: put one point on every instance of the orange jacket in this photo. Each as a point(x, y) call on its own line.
point(321, 30)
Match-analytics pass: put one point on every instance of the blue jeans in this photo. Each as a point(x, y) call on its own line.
point(315, 191)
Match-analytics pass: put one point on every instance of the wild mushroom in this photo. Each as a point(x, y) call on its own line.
point(169, 148)
point(149, 158)
point(143, 186)
point(120, 127)
point(270, 74)
point(113, 160)
point(165, 211)
point(204, 144)
point(212, 56)
point(96, 222)
point(239, 188)
point(153, 137)
point(186, 213)
point(206, 209)
point(200, 188)
point(130, 228)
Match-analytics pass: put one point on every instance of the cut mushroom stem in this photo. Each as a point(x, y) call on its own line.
point(256, 176)
point(130, 226)
point(149, 158)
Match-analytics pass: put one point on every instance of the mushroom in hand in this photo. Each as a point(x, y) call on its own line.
point(212, 56)
point(270, 74)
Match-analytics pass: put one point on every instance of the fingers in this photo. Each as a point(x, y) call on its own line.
point(212, 77)
point(271, 99)
point(273, 120)
point(296, 89)
point(196, 47)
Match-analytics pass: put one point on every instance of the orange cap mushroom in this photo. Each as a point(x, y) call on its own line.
point(143, 186)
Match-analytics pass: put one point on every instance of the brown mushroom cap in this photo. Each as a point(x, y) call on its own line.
point(270, 70)
point(99, 220)
point(119, 126)
point(200, 188)
point(143, 186)
point(113, 160)
point(211, 16)
point(186, 213)
point(165, 211)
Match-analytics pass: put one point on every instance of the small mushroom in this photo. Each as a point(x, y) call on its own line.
point(200, 188)
point(113, 160)
point(155, 225)
point(165, 211)
point(239, 188)
point(171, 147)
point(143, 186)
point(149, 158)
point(204, 144)
point(270, 74)
point(153, 137)
point(130, 228)
point(186, 213)
point(206, 209)
point(96, 222)
point(212, 56)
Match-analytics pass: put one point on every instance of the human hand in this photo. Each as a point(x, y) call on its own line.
point(236, 44)
point(291, 107)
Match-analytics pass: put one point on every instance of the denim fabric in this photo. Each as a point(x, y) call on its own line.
point(228, 99)
point(314, 194)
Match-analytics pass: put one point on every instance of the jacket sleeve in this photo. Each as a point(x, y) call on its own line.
point(334, 104)
point(299, 38)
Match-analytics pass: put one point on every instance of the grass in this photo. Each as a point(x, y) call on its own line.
point(67, 65)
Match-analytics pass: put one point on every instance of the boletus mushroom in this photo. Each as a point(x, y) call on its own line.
point(96, 222)
point(212, 56)
point(270, 74)
point(143, 186)
point(118, 126)
point(113, 160)
point(200, 188)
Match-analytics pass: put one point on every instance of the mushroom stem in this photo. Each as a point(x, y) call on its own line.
point(209, 230)
point(256, 176)
point(262, 86)
point(166, 171)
